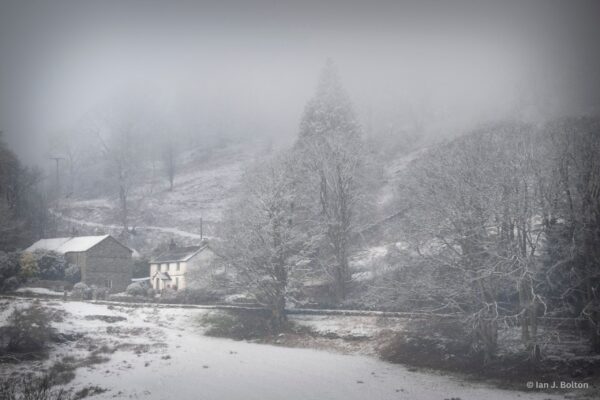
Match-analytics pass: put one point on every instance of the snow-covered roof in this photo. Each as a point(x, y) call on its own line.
point(64, 245)
point(178, 254)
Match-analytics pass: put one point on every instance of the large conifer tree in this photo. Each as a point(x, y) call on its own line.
point(332, 164)
point(329, 112)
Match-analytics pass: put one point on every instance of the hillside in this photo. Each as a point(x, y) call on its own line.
point(205, 181)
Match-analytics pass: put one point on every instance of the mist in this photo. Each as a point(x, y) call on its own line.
point(299, 200)
point(247, 68)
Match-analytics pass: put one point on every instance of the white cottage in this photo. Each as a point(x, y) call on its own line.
point(172, 268)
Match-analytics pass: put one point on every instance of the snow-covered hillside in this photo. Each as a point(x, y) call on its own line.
point(205, 181)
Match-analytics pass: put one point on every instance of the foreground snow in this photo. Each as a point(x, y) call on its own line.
point(181, 363)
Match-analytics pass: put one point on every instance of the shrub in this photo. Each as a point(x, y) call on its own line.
point(9, 271)
point(136, 289)
point(98, 292)
point(31, 388)
point(72, 274)
point(238, 324)
point(437, 343)
point(29, 267)
point(11, 283)
point(192, 296)
point(51, 265)
point(63, 371)
point(27, 333)
point(81, 291)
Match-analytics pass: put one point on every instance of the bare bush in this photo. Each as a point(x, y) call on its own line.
point(32, 388)
point(81, 291)
point(239, 324)
point(27, 333)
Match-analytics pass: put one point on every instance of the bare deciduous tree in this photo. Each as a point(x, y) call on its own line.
point(119, 135)
point(575, 145)
point(263, 242)
point(473, 206)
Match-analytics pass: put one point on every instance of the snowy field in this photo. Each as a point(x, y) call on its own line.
point(161, 353)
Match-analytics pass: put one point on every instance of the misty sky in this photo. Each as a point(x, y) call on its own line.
point(256, 63)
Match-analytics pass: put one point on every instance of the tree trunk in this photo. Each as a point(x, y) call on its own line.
point(534, 348)
point(593, 312)
point(339, 284)
point(487, 330)
point(278, 320)
point(124, 211)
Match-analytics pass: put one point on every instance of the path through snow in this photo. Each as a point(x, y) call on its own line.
point(173, 231)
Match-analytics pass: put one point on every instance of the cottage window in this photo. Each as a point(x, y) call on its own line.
point(108, 283)
point(177, 266)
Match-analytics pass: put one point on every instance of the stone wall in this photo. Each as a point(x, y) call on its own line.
point(109, 264)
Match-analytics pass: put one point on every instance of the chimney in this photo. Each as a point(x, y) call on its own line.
point(172, 244)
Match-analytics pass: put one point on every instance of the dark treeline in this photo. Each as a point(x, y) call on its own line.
point(23, 206)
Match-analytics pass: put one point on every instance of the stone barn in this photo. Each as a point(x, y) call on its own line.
point(103, 260)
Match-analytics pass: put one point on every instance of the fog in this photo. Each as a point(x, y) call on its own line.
point(247, 68)
point(412, 184)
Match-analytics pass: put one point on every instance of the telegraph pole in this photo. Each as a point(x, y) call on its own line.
point(57, 159)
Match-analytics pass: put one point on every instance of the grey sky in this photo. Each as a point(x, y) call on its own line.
point(256, 62)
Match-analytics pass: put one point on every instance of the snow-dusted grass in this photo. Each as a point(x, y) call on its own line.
point(160, 353)
point(348, 326)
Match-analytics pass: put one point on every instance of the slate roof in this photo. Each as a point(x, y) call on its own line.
point(178, 254)
point(65, 245)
